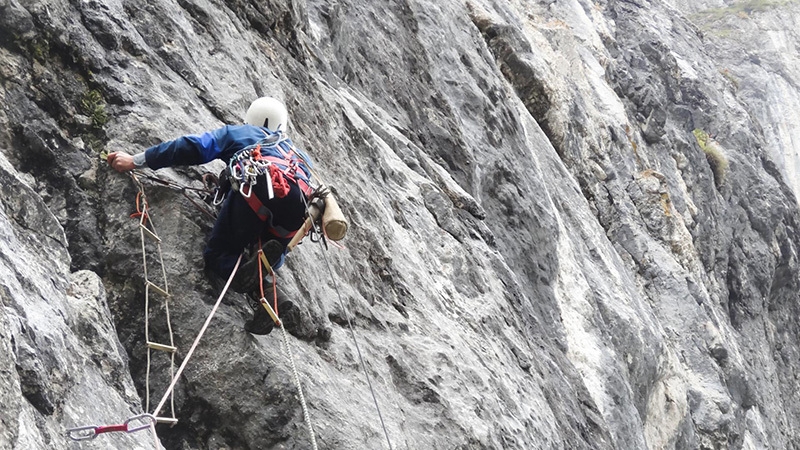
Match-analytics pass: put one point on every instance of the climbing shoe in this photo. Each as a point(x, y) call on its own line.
point(246, 279)
point(262, 323)
point(286, 312)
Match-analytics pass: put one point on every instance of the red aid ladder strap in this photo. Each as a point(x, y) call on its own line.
point(111, 428)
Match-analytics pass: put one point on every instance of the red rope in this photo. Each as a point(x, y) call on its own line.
point(141, 208)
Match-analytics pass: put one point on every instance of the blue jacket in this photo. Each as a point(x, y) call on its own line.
point(221, 143)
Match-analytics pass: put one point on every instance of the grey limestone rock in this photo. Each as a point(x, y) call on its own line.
point(573, 224)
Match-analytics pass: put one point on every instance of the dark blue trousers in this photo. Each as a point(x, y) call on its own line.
point(238, 227)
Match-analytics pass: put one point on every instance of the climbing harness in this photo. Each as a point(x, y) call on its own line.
point(132, 425)
point(274, 155)
point(274, 162)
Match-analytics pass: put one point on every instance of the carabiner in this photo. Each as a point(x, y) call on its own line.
point(236, 172)
point(251, 170)
point(80, 433)
point(249, 192)
point(217, 200)
point(151, 420)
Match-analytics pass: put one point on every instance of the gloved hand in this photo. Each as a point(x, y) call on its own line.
point(121, 162)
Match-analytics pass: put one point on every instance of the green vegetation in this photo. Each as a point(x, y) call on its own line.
point(39, 48)
point(93, 105)
point(36, 46)
point(714, 155)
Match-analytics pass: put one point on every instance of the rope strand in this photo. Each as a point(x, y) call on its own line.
point(197, 339)
point(263, 263)
point(306, 415)
point(147, 228)
point(184, 191)
point(358, 351)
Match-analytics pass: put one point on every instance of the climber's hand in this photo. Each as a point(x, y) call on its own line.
point(121, 162)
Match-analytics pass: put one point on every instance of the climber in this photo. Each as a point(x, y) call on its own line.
point(271, 207)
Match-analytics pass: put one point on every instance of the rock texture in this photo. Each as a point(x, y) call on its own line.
point(61, 360)
point(573, 223)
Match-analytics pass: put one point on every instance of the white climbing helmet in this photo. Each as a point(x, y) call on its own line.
point(267, 112)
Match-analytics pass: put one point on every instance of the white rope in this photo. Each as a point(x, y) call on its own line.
point(146, 319)
point(144, 219)
point(197, 339)
point(358, 351)
point(306, 415)
point(156, 442)
point(169, 327)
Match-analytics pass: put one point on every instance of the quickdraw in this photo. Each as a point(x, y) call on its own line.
point(132, 425)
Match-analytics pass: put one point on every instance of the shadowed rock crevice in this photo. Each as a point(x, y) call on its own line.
point(513, 54)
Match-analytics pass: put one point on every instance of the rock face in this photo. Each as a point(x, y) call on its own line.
point(573, 224)
point(61, 359)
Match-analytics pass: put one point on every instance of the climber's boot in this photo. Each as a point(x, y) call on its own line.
point(286, 311)
point(261, 323)
point(246, 279)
